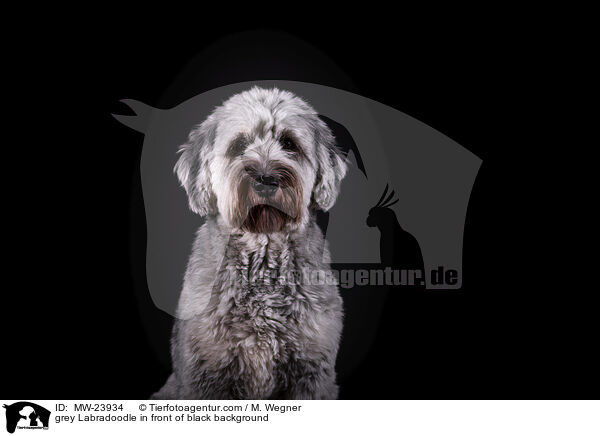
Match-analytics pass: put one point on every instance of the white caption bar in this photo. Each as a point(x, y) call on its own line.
point(461, 418)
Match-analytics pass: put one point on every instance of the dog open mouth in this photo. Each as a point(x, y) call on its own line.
point(268, 204)
point(264, 218)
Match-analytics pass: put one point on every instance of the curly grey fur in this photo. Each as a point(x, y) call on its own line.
point(240, 334)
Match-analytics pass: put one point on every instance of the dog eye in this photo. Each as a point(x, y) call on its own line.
point(237, 146)
point(288, 144)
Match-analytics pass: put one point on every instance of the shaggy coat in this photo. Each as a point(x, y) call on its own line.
point(258, 317)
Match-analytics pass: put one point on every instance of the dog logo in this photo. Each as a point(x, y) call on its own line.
point(26, 415)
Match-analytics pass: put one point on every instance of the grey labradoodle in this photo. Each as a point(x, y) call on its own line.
point(249, 323)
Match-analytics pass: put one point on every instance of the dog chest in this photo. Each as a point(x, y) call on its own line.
point(257, 317)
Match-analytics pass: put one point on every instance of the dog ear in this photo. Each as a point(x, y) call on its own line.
point(193, 170)
point(332, 167)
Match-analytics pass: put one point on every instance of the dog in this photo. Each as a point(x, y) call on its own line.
point(258, 168)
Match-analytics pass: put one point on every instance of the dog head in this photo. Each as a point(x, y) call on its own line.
point(261, 160)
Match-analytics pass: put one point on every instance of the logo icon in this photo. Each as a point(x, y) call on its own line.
point(26, 415)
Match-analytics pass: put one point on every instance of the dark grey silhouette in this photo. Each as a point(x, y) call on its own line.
point(13, 415)
point(346, 144)
point(398, 249)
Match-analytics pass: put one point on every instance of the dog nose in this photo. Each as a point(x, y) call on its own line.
point(266, 186)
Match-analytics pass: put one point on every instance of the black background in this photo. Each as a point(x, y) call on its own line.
point(74, 305)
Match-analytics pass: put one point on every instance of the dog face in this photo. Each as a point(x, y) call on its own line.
point(261, 161)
